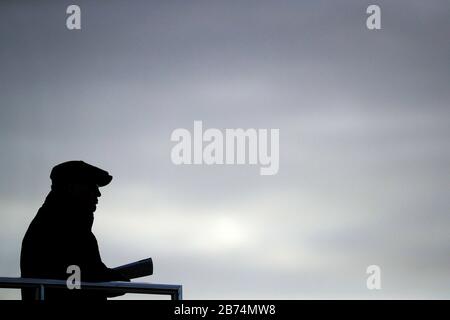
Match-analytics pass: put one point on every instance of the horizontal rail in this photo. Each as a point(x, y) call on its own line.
point(175, 291)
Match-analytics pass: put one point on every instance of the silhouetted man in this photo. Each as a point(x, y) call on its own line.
point(60, 235)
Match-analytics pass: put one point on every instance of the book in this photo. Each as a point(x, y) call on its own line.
point(136, 269)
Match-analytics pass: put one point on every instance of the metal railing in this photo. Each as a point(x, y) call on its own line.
point(174, 291)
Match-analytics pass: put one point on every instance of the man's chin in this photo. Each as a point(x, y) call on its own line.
point(91, 208)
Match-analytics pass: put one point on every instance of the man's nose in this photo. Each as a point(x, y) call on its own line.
point(97, 193)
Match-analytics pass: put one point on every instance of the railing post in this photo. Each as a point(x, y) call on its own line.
point(178, 295)
point(40, 292)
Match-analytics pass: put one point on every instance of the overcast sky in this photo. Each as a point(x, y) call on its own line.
point(364, 121)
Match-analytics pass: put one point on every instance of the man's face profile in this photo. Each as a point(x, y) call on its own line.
point(83, 195)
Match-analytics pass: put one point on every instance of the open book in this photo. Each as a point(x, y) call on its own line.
point(137, 269)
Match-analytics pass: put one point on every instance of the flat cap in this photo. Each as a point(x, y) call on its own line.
point(79, 172)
